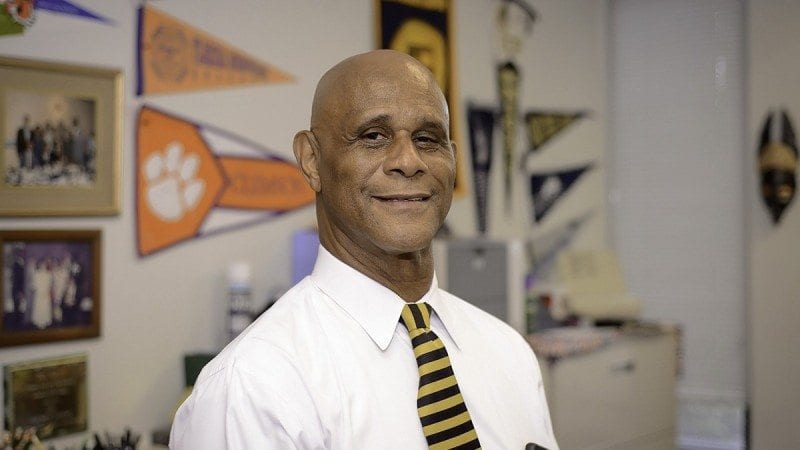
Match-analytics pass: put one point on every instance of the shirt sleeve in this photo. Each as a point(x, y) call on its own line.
point(542, 397)
point(240, 407)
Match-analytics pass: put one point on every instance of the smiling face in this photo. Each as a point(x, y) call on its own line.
point(379, 156)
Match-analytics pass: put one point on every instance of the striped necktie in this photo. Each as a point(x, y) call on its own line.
point(442, 412)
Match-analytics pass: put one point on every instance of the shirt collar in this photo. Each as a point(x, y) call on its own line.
point(435, 298)
point(372, 305)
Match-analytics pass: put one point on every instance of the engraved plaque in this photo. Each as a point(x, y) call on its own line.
point(49, 395)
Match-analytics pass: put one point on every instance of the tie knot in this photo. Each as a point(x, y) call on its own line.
point(416, 316)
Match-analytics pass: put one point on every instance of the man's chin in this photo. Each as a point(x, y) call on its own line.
point(408, 247)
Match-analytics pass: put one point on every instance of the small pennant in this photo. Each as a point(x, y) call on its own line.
point(549, 187)
point(69, 8)
point(542, 126)
point(481, 138)
point(17, 15)
point(174, 56)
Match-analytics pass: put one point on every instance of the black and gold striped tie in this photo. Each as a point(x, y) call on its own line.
point(444, 416)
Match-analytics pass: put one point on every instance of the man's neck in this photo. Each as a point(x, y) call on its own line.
point(408, 275)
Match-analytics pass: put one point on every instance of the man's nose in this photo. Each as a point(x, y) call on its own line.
point(403, 157)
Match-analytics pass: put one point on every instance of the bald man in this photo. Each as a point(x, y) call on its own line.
point(367, 352)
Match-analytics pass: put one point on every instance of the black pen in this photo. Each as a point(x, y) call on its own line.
point(98, 445)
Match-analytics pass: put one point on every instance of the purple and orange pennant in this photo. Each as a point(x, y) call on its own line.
point(194, 180)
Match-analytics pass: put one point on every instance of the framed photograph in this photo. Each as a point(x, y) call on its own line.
point(424, 30)
point(50, 285)
point(49, 395)
point(61, 129)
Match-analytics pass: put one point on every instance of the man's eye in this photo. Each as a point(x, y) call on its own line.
point(427, 141)
point(374, 136)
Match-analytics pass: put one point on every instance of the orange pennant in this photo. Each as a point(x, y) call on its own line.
point(176, 57)
point(182, 180)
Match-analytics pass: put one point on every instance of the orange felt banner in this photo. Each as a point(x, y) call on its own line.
point(174, 56)
point(182, 180)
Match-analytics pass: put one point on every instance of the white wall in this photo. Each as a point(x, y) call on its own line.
point(774, 250)
point(158, 308)
point(677, 209)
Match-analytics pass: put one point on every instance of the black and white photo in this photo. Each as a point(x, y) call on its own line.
point(49, 285)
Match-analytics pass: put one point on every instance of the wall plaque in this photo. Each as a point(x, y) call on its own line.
point(48, 394)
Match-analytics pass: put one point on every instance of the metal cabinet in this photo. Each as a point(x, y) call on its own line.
point(620, 397)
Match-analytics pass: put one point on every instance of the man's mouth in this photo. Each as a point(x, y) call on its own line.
point(402, 197)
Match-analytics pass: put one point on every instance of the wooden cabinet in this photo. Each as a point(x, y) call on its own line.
point(620, 397)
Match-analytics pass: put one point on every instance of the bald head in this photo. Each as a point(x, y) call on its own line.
point(380, 159)
point(351, 77)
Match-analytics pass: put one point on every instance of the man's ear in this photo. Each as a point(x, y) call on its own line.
point(454, 147)
point(306, 152)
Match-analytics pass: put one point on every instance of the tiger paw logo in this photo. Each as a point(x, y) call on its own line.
point(21, 11)
point(172, 188)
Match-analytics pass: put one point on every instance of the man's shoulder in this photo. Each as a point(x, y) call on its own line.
point(260, 379)
point(281, 334)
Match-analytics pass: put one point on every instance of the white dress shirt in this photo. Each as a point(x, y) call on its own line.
point(329, 366)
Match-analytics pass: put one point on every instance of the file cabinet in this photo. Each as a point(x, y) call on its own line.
point(620, 397)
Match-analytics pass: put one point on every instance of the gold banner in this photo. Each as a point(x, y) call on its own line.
point(544, 125)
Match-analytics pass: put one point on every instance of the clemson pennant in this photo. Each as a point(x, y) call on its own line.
point(186, 188)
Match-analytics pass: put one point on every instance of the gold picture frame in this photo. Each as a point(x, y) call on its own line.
point(424, 29)
point(50, 285)
point(61, 127)
point(50, 395)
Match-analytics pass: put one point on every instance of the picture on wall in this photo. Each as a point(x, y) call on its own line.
point(61, 130)
point(51, 150)
point(50, 285)
point(424, 30)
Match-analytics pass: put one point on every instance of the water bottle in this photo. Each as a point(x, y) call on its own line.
point(240, 302)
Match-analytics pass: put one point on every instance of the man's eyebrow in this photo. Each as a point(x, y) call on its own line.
point(433, 124)
point(384, 121)
point(381, 120)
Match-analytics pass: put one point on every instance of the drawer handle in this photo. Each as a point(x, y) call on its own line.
point(626, 366)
